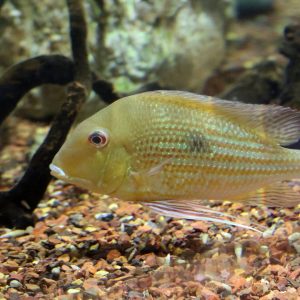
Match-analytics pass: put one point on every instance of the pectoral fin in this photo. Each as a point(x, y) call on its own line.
point(144, 179)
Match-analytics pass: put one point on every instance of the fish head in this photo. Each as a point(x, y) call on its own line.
point(93, 157)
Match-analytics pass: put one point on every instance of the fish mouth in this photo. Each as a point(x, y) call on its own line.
point(60, 174)
point(57, 172)
point(84, 183)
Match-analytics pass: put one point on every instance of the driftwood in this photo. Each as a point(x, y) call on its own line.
point(31, 73)
point(290, 47)
point(1, 3)
point(18, 203)
point(24, 76)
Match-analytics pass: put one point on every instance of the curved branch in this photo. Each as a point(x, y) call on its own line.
point(22, 77)
point(18, 203)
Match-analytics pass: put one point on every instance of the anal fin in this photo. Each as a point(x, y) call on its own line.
point(279, 194)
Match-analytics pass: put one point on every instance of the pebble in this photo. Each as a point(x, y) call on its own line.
point(15, 284)
point(265, 284)
point(14, 233)
point(32, 287)
point(77, 282)
point(75, 268)
point(135, 295)
point(56, 193)
point(73, 250)
point(53, 203)
point(204, 238)
point(91, 229)
point(297, 247)
point(294, 240)
point(264, 249)
point(101, 274)
point(294, 237)
point(152, 224)
point(168, 260)
point(126, 219)
point(137, 222)
point(11, 265)
point(238, 250)
point(221, 287)
point(113, 206)
point(256, 214)
point(55, 271)
point(180, 261)
point(269, 232)
point(73, 291)
point(94, 247)
point(84, 196)
point(75, 219)
point(132, 254)
point(226, 235)
point(104, 217)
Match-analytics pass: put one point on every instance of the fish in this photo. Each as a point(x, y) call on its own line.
point(173, 151)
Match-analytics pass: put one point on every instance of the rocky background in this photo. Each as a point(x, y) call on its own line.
point(172, 44)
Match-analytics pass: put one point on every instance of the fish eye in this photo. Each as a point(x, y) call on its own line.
point(98, 139)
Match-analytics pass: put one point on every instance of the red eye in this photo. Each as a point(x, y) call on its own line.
point(98, 139)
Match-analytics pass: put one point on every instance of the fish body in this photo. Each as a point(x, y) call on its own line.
point(170, 145)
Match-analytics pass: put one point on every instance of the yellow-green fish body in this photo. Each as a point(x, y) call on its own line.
point(170, 145)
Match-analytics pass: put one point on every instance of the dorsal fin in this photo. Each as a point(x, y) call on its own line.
point(279, 123)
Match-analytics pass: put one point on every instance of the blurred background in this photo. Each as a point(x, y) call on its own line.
point(196, 45)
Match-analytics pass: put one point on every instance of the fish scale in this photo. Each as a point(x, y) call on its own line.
point(231, 163)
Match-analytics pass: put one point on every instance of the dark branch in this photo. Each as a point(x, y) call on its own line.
point(31, 188)
point(56, 69)
point(22, 77)
point(18, 203)
point(1, 3)
point(105, 90)
point(290, 47)
point(78, 34)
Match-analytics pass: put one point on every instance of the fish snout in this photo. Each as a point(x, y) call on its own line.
point(57, 171)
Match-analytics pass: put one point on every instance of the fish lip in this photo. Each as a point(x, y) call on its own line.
point(57, 171)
